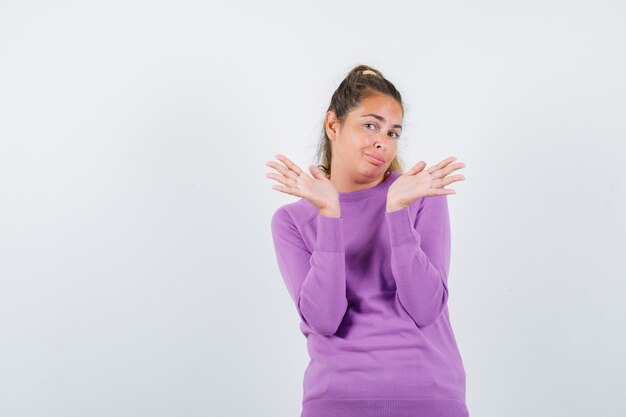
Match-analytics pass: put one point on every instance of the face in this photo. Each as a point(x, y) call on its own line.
point(369, 133)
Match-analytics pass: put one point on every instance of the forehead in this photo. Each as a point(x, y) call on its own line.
point(384, 106)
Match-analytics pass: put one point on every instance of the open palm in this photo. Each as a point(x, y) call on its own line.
point(315, 187)
point(418, 182)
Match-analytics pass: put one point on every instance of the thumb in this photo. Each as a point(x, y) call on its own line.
point(416, 168)
point(317, 174)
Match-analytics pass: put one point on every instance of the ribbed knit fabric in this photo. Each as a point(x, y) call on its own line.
point(371, 290)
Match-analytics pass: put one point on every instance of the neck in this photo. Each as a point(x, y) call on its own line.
point(344, 183)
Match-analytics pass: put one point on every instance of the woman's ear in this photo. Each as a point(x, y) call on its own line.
point(332, 125)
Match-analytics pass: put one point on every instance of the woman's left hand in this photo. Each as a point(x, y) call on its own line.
point(417, 183)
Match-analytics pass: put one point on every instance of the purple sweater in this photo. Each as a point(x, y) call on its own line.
point(371, 291)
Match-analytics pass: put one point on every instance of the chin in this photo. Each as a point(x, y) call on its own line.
point(374, 171)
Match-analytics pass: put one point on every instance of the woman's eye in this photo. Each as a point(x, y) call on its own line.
point(372, 124)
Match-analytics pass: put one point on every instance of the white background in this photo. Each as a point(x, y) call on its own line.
point(137, 273)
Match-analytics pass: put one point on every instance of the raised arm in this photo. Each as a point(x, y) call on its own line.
point(420, 258)
point(316, 281)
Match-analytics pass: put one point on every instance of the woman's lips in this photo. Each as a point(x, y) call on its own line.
point(373, 160)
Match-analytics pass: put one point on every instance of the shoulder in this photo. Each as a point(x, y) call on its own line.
point(289, 225)
point(295, 213)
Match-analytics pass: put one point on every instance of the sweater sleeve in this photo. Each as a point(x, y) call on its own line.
point(316, 281)
point(420, 258)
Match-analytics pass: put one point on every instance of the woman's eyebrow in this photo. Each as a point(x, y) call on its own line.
point(381, 118)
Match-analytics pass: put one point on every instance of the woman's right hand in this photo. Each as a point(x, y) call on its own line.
point(315, 188)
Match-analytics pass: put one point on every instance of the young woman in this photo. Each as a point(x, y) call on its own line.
point(365, 254)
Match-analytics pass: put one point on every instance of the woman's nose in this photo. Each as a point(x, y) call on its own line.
point(381, 141)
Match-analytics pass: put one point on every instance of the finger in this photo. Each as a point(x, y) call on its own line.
point(316, 173)
point(448, 170)
point(441, 164)
point(281, 189)
point(280, 168)
point(438, 183)
point(442, 172)
point(288, 188)
point(416, 168)
point(443, 191)
point(283, 170)
point(280, 178)
point(295, 168)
